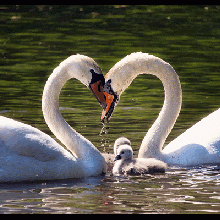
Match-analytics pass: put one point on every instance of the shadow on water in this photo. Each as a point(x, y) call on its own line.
point(35, 39)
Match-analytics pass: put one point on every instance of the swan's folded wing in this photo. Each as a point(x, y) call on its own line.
point(205, 133)
point(28, 141)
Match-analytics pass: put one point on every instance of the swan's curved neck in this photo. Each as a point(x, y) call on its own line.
point(76, 143)
point(141, 63)
point(154, 139)
point(50, 106)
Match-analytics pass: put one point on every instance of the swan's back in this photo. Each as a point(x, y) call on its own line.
point(26, 153)
point(26, 140)
point(201, 141)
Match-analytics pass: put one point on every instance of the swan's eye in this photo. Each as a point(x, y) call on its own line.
point(122, 152)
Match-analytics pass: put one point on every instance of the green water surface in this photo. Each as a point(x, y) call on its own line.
point(35, 39)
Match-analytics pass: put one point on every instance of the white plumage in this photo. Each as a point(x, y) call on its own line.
point(126, 164)
point(198, 145)
point(27, 154)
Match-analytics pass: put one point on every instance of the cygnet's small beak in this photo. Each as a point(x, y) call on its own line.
point(118, 157)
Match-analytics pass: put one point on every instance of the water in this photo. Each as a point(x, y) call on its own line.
point(180, 190)
point(35, 39)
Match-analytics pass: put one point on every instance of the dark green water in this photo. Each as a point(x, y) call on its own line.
point(35, 39)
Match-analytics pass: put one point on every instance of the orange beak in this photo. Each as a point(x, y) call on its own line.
point(109, 100)
point(97, 90)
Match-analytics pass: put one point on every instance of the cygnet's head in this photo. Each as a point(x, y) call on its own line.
point(124, 152)
point(120, 141)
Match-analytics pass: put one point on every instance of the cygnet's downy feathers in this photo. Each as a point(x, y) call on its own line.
point(120, 141)
point(125, 164)
point(110, 157)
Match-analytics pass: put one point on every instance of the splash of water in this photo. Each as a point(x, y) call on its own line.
point(103, 133)
point(104, 130)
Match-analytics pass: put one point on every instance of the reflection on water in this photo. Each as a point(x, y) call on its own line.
point(35, 39)
point(180, 190)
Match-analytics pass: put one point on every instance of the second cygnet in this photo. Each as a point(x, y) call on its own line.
point(120, 141)
point(125, 164)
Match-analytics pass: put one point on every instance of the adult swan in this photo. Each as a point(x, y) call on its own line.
point(198, 145)
point(27, 154)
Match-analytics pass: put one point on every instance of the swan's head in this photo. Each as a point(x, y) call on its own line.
point(86, 70)
point(112, 100)
point(124, 152)
point(120, 141)
point(118, 79)
point(96, 86)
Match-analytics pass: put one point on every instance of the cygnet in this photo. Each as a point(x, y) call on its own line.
point(110, 157)
point(125, 164)
point(120, 141)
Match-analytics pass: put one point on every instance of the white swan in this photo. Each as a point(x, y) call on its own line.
point(27, 154)
point(125, 164)
point(198, 145)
